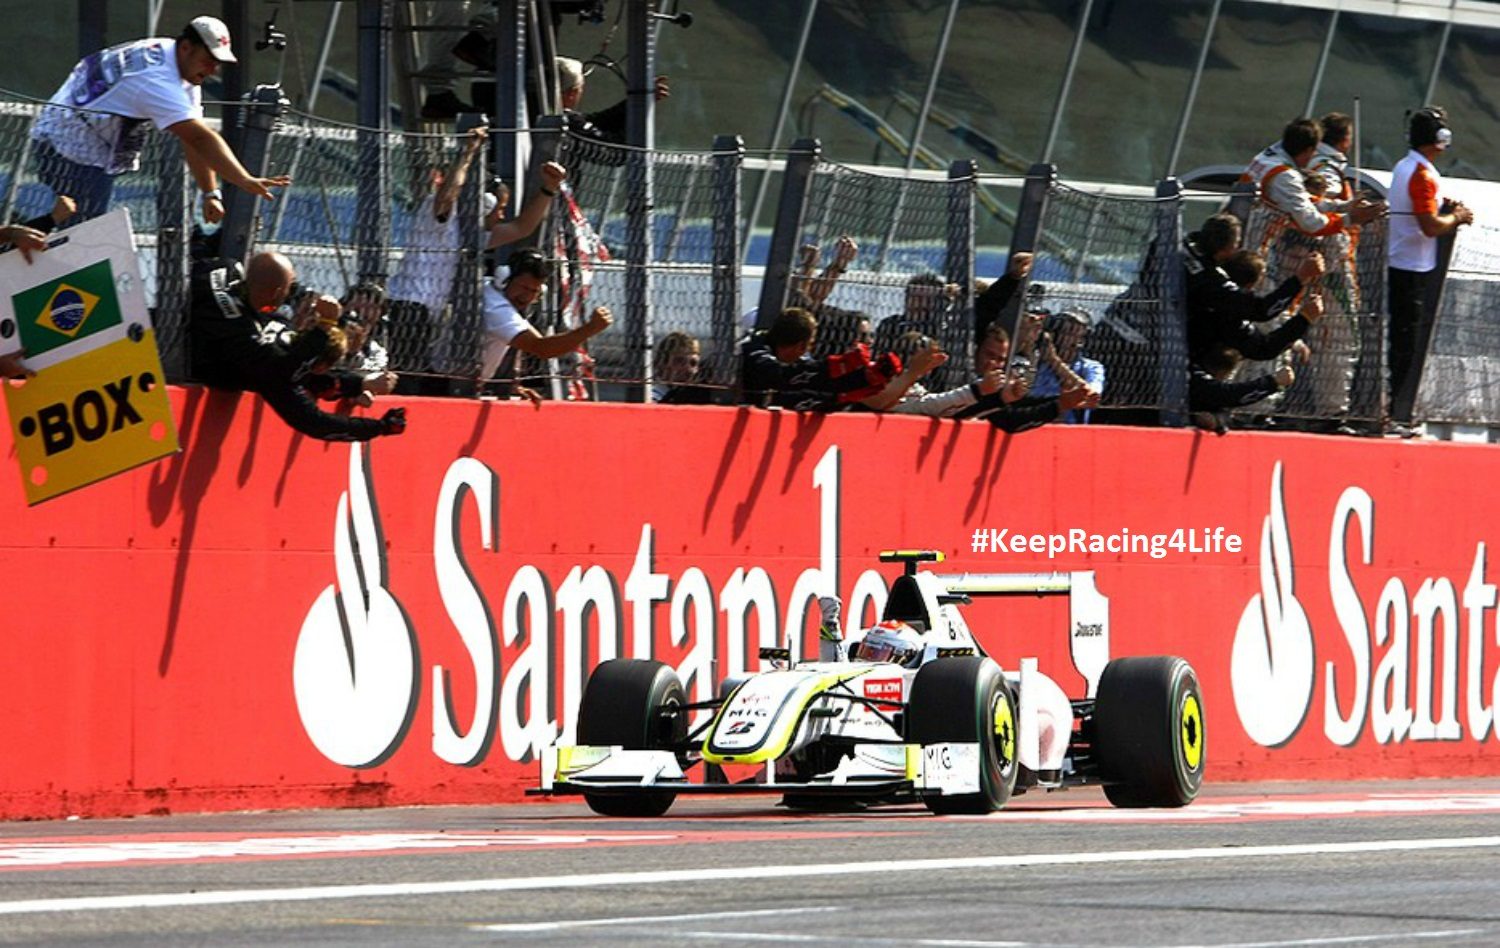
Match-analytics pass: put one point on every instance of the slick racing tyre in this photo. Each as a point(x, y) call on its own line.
point(1148, 732)
point(967, 700)
point(630, 703)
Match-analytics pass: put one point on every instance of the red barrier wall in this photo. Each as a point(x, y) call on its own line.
point(259, 622)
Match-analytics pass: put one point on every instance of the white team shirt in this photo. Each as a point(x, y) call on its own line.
point(502, 323)
point(1415, 188)
point(430, 263)
point(98, 117)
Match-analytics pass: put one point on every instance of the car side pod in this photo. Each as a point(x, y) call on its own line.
point(1147, 732)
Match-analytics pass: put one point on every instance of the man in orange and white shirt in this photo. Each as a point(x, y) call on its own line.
point(1293, 221)
point(1419, 216)
point(1277, 171)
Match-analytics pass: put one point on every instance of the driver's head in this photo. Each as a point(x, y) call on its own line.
point(894, 642)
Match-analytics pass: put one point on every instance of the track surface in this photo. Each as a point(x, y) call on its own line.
point(1268, 865)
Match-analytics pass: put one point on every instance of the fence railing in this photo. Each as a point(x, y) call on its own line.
point(660, 238)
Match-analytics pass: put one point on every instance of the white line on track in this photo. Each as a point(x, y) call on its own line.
point(837, 939)
point(882, 868)
point(1344, 939)
point(648, 919)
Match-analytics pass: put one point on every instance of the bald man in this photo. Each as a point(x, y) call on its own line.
point(235, 345)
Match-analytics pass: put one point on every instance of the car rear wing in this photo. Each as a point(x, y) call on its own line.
point(1088, 609)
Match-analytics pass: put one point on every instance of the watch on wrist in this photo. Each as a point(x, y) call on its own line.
point(215, 193)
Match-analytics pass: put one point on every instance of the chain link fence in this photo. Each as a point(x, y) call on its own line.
point(660, 238)
point(1461, 377)
point(1114, 259)
point(1342, 381)
point(687, 275)
point(890, 232)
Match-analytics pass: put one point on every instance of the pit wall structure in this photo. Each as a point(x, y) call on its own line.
point(266, 621)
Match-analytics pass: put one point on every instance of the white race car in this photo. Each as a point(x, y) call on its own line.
point(915, 711)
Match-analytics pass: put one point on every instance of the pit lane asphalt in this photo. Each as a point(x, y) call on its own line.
point(1265, 865)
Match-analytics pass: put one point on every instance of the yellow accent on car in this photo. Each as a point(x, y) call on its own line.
point(913, 761)
point(1192, 732)
point(785, 727)
point(578, 758)
point(1005, 728)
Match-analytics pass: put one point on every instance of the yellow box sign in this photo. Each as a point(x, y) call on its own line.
point(90, 417)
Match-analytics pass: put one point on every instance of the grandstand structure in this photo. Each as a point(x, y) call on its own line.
point(943, 135)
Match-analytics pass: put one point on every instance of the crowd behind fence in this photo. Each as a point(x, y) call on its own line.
point(661, 238)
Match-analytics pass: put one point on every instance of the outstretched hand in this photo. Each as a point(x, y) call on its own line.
point(393, 422)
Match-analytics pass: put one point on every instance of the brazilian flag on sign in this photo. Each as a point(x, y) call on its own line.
point(67, 309)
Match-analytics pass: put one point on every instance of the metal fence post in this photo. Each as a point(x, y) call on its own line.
point(1027, 236)
point(372, 219)
point(266, 107)
point(467, 277)
point(787, 234)
point(173, 224)
point(959, 328)
point(729, 159)
point(546, 140)
point(1241, 199)
point(1171, 336)
point(509, 108)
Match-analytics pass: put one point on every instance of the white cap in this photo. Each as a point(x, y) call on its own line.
point(215, 36)
point(490, 201)
point(569, 73)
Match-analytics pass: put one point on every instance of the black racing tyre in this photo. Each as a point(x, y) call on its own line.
point(622, 705)
point(964, 700)
point(1148, 732)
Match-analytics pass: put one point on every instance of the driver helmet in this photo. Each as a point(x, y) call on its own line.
point(894, 642)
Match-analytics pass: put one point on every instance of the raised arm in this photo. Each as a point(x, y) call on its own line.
point(525, 224)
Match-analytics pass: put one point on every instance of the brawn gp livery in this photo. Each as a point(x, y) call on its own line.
point(912, 711)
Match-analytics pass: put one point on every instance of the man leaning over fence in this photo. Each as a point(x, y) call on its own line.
point(94, 127)
point(232, 349)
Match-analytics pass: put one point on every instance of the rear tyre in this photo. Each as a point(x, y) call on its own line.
point(630, 703)
point(967, 700)
point(1148, 732)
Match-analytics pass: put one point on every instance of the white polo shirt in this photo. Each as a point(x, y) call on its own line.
point(502, 323)
point(99, 115)
point(1414, 190)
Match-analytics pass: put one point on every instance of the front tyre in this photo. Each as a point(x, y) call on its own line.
point(636, 705)
point(964, 701)
point(1148, 732)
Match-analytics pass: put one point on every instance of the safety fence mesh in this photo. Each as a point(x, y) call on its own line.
point(891, 232)
point(1115, 261)
point(671, 272)
point(1341, 381)
point(588, 239)
point(1461, 378)
point(424, 248)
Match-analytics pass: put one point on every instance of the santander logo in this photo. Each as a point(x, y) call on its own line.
point(1400, 671)
point(355, 669)
point(1271, 666)
point(355, 665)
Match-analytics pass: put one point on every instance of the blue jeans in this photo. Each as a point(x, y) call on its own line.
point(91, 187)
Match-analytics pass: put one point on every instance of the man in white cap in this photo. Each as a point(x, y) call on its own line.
point(95, 125)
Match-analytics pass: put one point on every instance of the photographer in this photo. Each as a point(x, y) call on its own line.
point(236, 344)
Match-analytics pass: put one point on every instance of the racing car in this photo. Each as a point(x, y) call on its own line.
point(910, 709)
